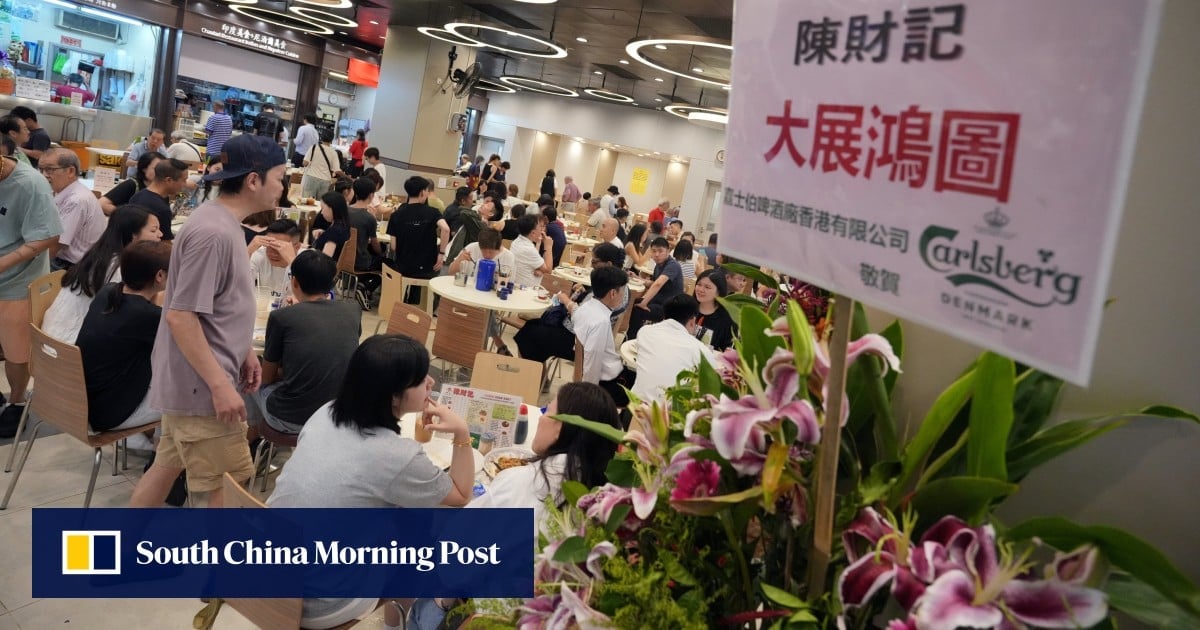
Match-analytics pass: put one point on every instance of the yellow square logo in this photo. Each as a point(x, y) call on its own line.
point(91, 552)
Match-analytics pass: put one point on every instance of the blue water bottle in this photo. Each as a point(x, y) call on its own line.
point(485, 275)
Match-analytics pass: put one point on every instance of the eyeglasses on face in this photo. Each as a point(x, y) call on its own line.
point(51, 169)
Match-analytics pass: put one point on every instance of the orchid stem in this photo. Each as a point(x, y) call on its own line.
point(936, 466)
point(743, 568)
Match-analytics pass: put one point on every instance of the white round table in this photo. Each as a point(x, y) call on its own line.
point(522, 301)
point(578, 276)
point(439, 448)
point(581, 240)
point(629, 352)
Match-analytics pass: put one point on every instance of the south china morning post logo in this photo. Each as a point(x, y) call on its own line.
point(91, 552)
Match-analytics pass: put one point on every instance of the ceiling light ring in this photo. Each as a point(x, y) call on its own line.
point(557, 52)
point(322, 17)
point(440, 33)
point(256, 12)
point(515, 81)
point(634, 47)
point(608, 95)
point(240, 1)
point(489, 85)
point(326, 4)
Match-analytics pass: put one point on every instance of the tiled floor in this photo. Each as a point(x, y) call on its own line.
point(56, 475)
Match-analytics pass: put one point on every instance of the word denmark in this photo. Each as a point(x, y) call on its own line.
point(239, 552)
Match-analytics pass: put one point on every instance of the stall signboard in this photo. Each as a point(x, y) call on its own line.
point(35, 89)
point(293, 47)
point(961, 164)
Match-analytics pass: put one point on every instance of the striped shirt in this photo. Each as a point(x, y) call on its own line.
point(219, 128)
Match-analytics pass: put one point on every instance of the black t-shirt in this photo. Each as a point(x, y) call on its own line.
point(414, 231)
point(721, 324)
point(319, 223)
point(312, 342)
point(548, 186)
point(123, 192)
point(367, 226)
point(39, 140)
point(337, 234)
point(674, 284)
point(559, 239)
point(116, 350)
point(451, 217)
point(510, 230)
point(158, 206)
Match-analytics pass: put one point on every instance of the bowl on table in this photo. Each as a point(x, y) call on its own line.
point(504, 458)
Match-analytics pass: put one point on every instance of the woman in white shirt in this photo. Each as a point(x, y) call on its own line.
point(562, 452)
point(99, 266)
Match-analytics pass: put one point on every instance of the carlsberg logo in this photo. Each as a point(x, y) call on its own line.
point(1038, 284)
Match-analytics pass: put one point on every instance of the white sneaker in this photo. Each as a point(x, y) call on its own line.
point(139, 442)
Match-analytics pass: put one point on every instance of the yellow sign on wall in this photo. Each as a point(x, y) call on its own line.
point(637, 184)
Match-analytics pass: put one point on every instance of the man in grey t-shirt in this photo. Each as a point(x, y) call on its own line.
point(203, 351)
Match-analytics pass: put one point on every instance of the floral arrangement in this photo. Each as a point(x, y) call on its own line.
point(708, 517)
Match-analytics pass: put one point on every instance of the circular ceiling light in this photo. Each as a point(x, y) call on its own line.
point(328, 4)
point(711, 117)
point(538, 1)
point(491, 86)
point(323, 17)
point(448, 37)
point(554, 51)
point(608, 95)
point(282, 19)
point(240, 1)
point(634, 49)
point(535, 85)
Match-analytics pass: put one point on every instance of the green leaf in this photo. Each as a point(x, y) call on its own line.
point(967, 497)
point(572, 490)
point(1124, 550)
point(616, 517)
point(1033, 402)
point(879, 482)
point(675, 570)
point(707, 377)
point(573, 550)
point(1060, 438)
point(599, 428)
point(991, 417)
point(1140, 601)
point(782, 597)
point(707, 506)
point(756, 345)
point(868, 394)
point(735, 303)
point(940, 415)
point(621, 473)
point(754, 273)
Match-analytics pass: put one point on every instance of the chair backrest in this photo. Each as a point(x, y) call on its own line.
point(391, 291)
point(42, 292)
point(554, 284)
point(264, 613)
point(345, 261)
point(57, 368)
point(460, 332)
point(506, 243)
point(578, 255)
point(305, 224)
point(578, 361)
point(410, 320)
point(689, 285)
point(622, 325)
point(508, 375)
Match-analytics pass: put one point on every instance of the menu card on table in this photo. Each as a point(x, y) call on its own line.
point(485, 412)
point(103, 179)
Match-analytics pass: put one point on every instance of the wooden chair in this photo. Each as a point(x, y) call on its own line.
point(347, 276)
point(62, 404)
point(426, 292)
point(460, 333)
point(42, 293)
point(554, 284)
point(622, 325)
point(689, 285)
point(271, 439)
point(508, 375)
point(410, 320)
point(506, 243)
point(391, 291)
point(578, 255)
point(553, 365)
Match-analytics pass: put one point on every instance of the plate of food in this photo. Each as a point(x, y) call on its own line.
point(440, 450)
point(504, 458)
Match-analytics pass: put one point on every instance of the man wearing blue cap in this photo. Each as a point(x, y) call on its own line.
point(202, 354)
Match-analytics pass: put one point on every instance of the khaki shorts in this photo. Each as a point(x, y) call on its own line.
point(14, 330)
point(206, 448)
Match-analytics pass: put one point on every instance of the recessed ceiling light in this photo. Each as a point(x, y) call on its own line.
point(659, 79)
point(660, 47)
point(634, 50)
point(375, 22)
point(535, 85)
point(634, 104)
point(342, 33)
point(597, 72)
point(608, 95)
point(698, 69)
point(623, 62)
point(554, 50)
point(657, 153)
point(658, 100)
point(328, 4)
point(705, 116)
point(282, 19)
point(581, 39)
point(323, 17)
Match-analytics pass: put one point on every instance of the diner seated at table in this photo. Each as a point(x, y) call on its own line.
point(683, 254)
point(431, 197)
point(655, 231)
point(462, 199)
point(344, 186)
point(100, 265)
point(665, 283)
point(735, 281)
point(254, 228)
point(554, 230)
point(593, 328)
point(710, 252)
point(553, 334)
point(487, 247)
point(170, 176)
point(596, 213)
point(120, 194)
point(350, 453)
point(659, 213)
point(623, 224)
point(271, 261)
point(117, 338)
point(637, 250)
point(667, 348)
point(710, 285)
point(608, 233)
point(337, 214)
point(307, 348)
point(508, 227)
point(533, 257)
point(368, 253)
point(470, 224)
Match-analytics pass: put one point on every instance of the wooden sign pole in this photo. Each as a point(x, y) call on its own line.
point(827, 453)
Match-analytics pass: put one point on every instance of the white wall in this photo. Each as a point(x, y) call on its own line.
point(398, 96)
point(1141, 477)
point(227, 65)
point(623, 178)
point(577, 160)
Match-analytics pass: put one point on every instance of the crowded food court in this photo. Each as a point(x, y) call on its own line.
point(737, 355)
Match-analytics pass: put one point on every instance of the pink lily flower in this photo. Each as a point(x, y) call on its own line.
point(583, 616)
point(881, 561)
point(734, 421)
point(599, 505)
point(868, 344)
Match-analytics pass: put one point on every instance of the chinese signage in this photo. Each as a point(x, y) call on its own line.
point(637, 183)
point(32, 88)
point(252, 38)
point(960, 164)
